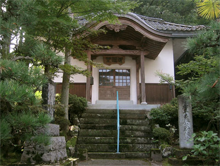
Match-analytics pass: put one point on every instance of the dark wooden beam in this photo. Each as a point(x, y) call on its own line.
point(117, 42)
point(88, 96)
point(137, 79)
point(118, 51)
point(143, 93)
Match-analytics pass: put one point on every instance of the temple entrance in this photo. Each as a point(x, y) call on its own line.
point(112, 80)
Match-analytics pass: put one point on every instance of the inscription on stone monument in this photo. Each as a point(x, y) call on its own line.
point(185, 122)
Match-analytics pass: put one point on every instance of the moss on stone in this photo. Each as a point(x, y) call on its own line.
point(71, 142)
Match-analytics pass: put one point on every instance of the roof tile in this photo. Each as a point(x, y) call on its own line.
point(161, 25)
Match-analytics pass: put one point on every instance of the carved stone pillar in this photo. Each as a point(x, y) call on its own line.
point(88, 86)
point(185, 122)
point(143, 93)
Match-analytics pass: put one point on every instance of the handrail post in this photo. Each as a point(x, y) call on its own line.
point(118, 125)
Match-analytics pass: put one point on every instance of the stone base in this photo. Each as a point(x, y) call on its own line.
point(179, 153)
point(156, 155)
point(52, 153)
point(50, 129)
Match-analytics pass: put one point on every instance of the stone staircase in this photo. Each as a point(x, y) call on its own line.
point(98, 133)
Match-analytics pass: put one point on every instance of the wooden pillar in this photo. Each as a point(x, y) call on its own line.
point(137, 80)
point(88, 96)
point(143, 93)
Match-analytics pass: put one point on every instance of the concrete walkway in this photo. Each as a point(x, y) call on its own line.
point(119, 162)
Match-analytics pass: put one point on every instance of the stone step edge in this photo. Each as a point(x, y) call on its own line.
point(115, 144)
point(111, 118)
point(136, 122)
point(122, 111)
point(120, 155)
point(105, 130)
point(113, 126)
point(115, 138)
point(112, 137)
point(115, 117)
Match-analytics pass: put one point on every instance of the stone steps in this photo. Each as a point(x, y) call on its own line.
point(113, 140)
point(108, 133)
point(114, 121)
point(121, 155)
point(113, 116)
point(113, 147)
point(98, 133)
point(114, 111)
point(114, 127)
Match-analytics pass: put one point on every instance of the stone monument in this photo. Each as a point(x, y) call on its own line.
point(48, 95)
point(54, 152)
point(185, 122)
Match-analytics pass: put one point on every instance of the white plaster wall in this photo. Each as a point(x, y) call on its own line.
point(78, 78)
point(164, 63)
point(129, 64)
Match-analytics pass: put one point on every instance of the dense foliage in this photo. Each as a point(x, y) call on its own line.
point(21, 112)
point(166, 114)
point(177, 11)
point(32, 36)
point(206, 146)
point(77, 107)
point(202, 81)
point(209, 9)
point(162, 134)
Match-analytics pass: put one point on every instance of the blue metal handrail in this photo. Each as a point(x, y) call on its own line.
point(118, 124)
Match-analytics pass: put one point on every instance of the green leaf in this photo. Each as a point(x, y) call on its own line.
point(184, 158)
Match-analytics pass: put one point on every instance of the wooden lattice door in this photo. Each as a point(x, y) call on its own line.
point(112, 80)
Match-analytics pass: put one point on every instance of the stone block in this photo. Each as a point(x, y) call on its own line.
point(53, 129)
point(156, 155)
point(54, 156)
point(50, 129)
point(56, 143)
point(179, 153)
point(54, 152)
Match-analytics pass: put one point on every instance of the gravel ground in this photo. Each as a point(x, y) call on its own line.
point(115, 162)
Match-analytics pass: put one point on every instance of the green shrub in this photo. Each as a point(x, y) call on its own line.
point(166, 114)
point(5, 131)
point(161, 134)
point(206, 146)
point(71, 142)
point(77, 106)
point(59, 118)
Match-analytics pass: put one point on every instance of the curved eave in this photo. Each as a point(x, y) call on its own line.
point(142, 23)
point(167, 32)
point(172, 34)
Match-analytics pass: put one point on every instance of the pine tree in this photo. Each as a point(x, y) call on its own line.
point(21, 75)
point(39, 31)
point(203, 83)
point(62, 30)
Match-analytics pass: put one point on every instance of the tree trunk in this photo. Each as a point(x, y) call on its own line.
point(65, 86)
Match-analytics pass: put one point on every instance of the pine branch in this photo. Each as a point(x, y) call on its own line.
point(23, 57)
point(212, 45)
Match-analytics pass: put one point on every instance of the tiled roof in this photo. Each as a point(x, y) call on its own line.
point(159, 25)
point(163, 26)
